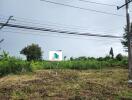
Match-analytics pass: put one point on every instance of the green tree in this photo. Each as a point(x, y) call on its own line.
point(32, 52)
point(4, 55)
point(64, 57)
point(125, 38)
point(107, 57)
point(81, 58)
point(111, 53)
point(71, 58)
point(119, 57)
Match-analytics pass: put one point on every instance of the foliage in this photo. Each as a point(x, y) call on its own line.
point(125, 38)
point(107, 58)
point(119, 57)
point(111, 53)
point(71, 58)
point(79, 65)
point(12, 65)
point(100, 59)
point(32, 52)
point(81, 58)
point(65, 57)
point(4, 55)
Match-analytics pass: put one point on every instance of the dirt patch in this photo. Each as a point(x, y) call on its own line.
point(67, 85)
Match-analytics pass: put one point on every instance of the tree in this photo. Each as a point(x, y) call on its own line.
point(100, 59)
point(4, 55)
point(81, 58)
point(64, 57)
point(125, 38)
point(111, 53)
point(107, 57)
point(119, 57)
point(32, 52)
point(71, 58)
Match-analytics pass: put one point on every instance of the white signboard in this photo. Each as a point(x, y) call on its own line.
point(55, 55)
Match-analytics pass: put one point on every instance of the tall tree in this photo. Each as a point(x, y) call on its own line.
point(64, 57)
point(32, 52)
point(71, 58)
point(125, 38)
point(111, 53)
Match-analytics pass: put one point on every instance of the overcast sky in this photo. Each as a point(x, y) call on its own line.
point(42, 14)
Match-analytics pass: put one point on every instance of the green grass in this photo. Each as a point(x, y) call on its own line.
point(14, 66)
point(80, 65)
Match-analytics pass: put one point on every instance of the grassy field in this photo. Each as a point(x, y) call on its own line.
point(64, 84)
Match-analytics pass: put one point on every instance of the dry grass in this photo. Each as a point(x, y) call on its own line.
point(106, 84)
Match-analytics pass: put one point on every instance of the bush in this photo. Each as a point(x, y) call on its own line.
point(106, 58)
point(14, 66)
point(119, 57)
point(80, 65)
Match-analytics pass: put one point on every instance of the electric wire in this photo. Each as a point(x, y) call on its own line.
point(59, 31)
point(84, 34)
point(53, 24)
point(35, 33)
point(104, 4)
point(38, 22)
point(56, 25)
point(81, 8)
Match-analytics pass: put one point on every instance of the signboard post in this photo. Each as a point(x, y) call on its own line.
point(55, 56)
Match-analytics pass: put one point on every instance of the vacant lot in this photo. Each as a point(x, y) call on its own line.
point(106, 84)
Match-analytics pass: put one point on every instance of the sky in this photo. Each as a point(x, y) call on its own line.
point(43, 14)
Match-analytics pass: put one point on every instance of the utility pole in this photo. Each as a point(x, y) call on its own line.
point(127, 2)
point(2, 26)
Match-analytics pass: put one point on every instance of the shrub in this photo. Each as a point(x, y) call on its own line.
point(106, 58)
point(80, 65)
point(14, 66)
point(119, 57)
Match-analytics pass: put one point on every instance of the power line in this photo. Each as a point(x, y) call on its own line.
point(2, 26)
point(54, 35)
point(60, 31)
point(98, 3)
point(53, 24)
point(58, 27)
point(104, 4)
point(127, 3)
point(87, 9)
point(49, 23)
point(7, 21)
